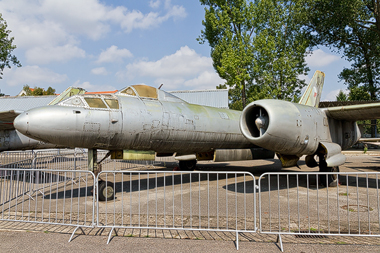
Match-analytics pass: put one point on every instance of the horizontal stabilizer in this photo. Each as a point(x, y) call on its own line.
point(354, 112)
point(334, 156)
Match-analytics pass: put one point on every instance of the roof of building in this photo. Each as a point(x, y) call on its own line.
point(24, 103)
point(325, 104)
point(215, 98)
point(102, 92)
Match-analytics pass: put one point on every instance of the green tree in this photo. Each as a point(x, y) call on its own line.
point(353, 28)
point(49, 91)
point(38, 91)
point(27, 90)
point(229, 30)
point(341, 96)
point(358, 93)
point(6, 48)
point(280, 49)
point(258, 46)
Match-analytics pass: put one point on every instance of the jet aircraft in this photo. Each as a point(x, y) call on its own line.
point(140, 117)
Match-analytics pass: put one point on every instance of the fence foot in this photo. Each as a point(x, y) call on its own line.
point(110, 235)
point(279, 240)
point(75, 230)
point(237, 240)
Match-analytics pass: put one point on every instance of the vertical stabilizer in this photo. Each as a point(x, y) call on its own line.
point(313, 91)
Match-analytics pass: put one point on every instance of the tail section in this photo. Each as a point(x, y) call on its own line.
point(313, 91)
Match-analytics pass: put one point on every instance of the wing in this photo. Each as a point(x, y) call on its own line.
point(6, 119)
point(354, 112)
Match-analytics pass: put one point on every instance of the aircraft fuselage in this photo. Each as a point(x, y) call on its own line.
point(135, 123)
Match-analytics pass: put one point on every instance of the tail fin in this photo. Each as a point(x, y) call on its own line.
point(313, 91)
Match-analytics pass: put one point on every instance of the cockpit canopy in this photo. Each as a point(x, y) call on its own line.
point(100, 101)
point(148, 92)
point(107, 101)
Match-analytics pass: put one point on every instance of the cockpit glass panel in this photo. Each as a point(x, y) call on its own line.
point(129, 91)
point(95, 102)
point(112, 103)
point(146, 91)
point(74, 101)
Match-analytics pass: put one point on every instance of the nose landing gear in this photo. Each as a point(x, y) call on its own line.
point(106, 190)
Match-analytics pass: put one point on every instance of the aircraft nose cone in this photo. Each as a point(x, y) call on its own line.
point(21, 123)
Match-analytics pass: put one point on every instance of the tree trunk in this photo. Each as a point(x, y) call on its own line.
point(243, 95)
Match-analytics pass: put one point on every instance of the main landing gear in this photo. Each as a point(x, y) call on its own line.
point(189, 165)
point(331, 180)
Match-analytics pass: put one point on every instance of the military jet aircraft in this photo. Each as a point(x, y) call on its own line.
point(293, 130)
point(140, 117)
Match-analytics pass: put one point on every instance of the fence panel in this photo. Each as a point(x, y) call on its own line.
point(297, 203)
point(60, 197)
point(212, 201)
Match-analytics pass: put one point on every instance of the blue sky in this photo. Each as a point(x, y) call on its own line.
point(108, 45)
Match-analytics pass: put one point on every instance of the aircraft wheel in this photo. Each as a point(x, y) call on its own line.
point(187, 165)
point(106, 191)
point(329, 179)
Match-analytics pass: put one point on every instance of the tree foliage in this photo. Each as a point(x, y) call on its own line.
point(38, 91)
point(6, 48)
point(353, 28)
point(341, 96)
point(258, 46)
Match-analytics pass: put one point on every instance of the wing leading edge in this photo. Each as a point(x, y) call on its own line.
point(354, 112)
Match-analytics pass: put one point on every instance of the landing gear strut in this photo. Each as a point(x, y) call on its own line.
point(327, 179)
point(106, 189)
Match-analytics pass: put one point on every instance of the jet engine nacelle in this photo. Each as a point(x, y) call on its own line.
point(284, 127)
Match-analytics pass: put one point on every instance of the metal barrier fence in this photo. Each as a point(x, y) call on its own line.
point(47, 196)
point(208, 201)
point(68, 159)
point(289, 203)
point(296, 203)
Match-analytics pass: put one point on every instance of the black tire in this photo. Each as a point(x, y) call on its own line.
point(106, 191)
point(329, 179)
point(187, 165)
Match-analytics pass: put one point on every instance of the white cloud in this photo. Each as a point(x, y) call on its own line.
point(320, 59)
point(99, 71)
point(91, 87)
point(113, 54)
point(33, 76)
point(44, 55)
point(154, 4)
point(183, 68)
point(52, 24)
point(135, 19)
